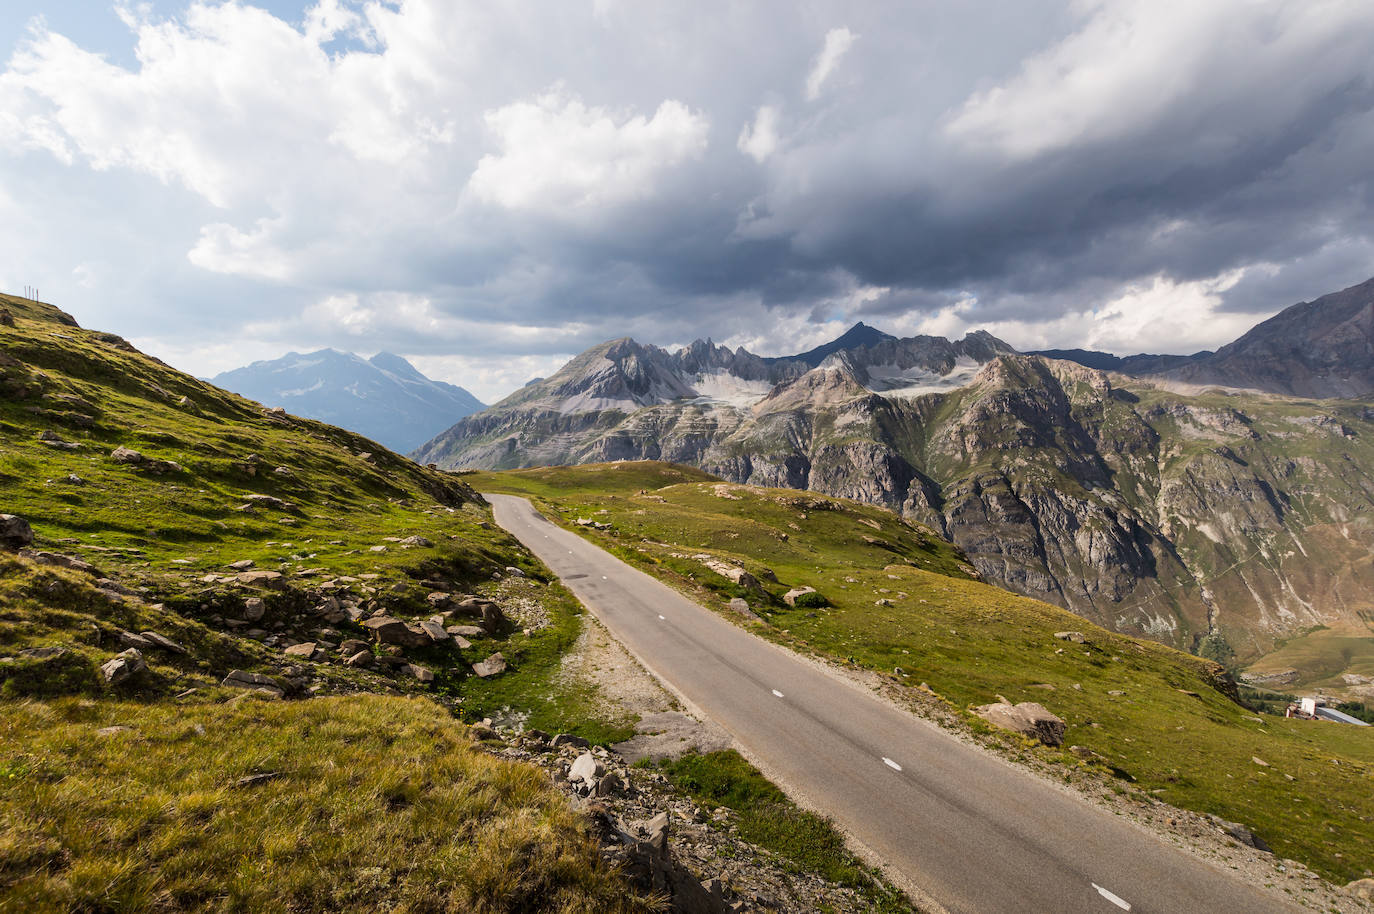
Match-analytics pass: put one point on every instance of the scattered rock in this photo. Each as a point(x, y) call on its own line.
point(1242, 834)
point(1027, 718)
point(253, 780)
point(586, 768)
point(305, 650)
point(130, 639)
point(416, 541)
point(240, 679)
point(254, 608)
point(112, 731)
point(241, 564)
point(123, 667)
point(418, 672)
point(492, 666)
point(741, 606)
point(164, 643)
point(790, 598)
point(361, 659)
point(269, 501)
point(389, 630)
point(568, 739)
point(57, 441)
point(435, 631)
point(260, 578)
point(61, 561)
point(15, 532)
point(1075, 637)
point(124, 454)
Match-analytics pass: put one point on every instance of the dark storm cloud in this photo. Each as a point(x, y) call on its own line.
point(494, 180)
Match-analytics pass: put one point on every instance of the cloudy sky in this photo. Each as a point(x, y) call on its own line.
point(490, 187)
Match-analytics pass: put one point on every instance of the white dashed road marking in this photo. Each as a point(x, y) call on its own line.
point(891, 764)
point(1114, 899)
point(777, 693)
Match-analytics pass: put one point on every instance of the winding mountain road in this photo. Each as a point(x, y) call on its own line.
point(971, 832)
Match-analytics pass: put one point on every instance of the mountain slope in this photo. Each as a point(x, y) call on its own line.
point(1191, 519)
point(898, 604)
point(1322, 348)
point(384, 398)
point(260, 748)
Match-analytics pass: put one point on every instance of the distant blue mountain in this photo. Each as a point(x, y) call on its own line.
point(384, 398)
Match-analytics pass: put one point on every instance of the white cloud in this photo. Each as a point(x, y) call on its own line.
point(489, 378)
point(558, 153)
point(837, 44)
point(1136, 64)
point(222, 248)
point(759, 140)
point(1156, 315)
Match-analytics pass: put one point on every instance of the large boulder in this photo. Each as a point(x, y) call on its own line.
point(15, 532)
point(790, 598)
point(1027, 718)
point(123, 667)
point(390, 630)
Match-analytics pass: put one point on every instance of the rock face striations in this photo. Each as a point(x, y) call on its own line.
point(1244, 517)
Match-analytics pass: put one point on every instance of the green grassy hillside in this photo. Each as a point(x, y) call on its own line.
point(901, 602)
point(374, 801)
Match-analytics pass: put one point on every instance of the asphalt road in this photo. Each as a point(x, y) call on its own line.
point(973, 832)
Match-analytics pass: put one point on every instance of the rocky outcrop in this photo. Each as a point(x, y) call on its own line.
point(1027, 718)
point(1151, 512)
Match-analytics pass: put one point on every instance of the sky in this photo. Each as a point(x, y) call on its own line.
point(489, 188)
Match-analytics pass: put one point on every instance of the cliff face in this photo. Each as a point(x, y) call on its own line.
point(1144, 509)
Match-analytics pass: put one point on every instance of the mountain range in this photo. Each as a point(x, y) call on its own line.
point(1192, 499)
point(384, 397)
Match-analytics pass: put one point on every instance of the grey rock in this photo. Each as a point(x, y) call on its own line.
point(389, 630)
point(163, 643)
point(305, 650)
point(1027, 718)
point(568, 739)
point(361, 659)
point(492, 666)
point(254, 608)
point(260, 578)
point(435, 631)
point(131, 639)
point(585, 768)
point(790, 598)
point(241, 679)
point(15, 532)
point(741, 606)
point(415, 671)
point(123, 667)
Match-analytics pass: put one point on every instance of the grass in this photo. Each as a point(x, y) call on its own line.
point(378, 801)
point(1322, 657)
point(1165, 721)
point(542, 693)
point(766, 818)
point(373, 803)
